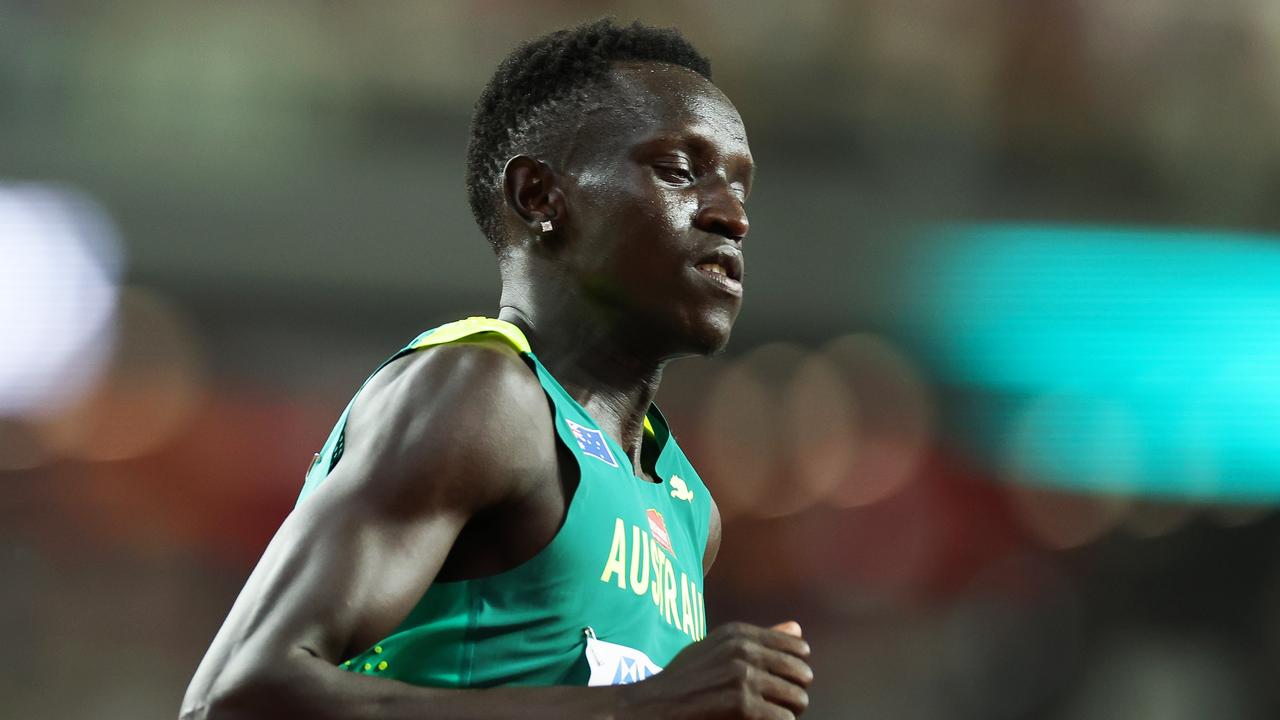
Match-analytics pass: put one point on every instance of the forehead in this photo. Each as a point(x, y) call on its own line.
point(656, 100)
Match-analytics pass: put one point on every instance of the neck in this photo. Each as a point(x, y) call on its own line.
point(602, 364)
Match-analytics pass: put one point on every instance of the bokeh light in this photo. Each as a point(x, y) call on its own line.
point(739, 438)
point(819, 420)
point(848, 424)
point(894, 418)
point(1081, 442)
point(1062, 520)
point(154, 383)
point(59, 265)
point(1156, 350)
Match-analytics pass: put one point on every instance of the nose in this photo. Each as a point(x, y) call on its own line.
point(722, 213)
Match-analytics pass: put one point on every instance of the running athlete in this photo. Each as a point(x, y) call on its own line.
point(501, 524)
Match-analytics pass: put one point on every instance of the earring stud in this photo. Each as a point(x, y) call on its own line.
point(546, 226)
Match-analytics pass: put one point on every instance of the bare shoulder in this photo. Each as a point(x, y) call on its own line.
point(455, 426)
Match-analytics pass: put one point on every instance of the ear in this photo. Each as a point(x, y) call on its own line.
point(530, 189)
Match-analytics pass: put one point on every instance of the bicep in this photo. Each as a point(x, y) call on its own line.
point(335, 575)
point(342, 574)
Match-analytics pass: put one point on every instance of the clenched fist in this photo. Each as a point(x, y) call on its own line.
point(738, 672)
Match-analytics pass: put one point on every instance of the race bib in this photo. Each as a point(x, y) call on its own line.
point(614, 664)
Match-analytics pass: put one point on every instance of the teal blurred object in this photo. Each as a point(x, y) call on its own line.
point(1124, 360)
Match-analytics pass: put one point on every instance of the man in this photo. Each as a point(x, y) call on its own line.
point(501, 520)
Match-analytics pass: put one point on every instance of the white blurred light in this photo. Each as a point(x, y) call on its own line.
point(59, 264)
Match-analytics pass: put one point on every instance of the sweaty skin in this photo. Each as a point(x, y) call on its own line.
point(451, 469)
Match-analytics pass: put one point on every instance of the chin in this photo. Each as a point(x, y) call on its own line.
point(692, 330)
point(711, 333)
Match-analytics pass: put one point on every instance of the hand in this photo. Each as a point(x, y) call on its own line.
point(738, 672)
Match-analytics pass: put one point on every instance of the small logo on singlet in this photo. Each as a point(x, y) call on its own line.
point(658, 530)
point(591, 442)
point(680, 489)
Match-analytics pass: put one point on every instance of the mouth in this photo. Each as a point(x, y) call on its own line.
point(724, 268)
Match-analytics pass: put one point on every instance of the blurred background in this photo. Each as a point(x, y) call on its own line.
point(998, 424)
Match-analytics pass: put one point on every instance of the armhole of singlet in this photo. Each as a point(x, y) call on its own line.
point(478, 330)
point(468, 330)
point(662, 433)
point(576, 498)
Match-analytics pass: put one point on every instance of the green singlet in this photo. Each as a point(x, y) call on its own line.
point(614, 596)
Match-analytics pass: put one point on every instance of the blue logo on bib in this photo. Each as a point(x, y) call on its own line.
point(591, 442)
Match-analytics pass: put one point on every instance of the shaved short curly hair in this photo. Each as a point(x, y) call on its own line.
point(540, 89)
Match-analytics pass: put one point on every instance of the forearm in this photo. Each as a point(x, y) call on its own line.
point(313, 689)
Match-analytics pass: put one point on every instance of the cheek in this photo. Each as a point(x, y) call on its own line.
point(635, 230)
point(636, 226)
point(673, 212)
point(629, 196)
point(657, 236)
point(662, 219)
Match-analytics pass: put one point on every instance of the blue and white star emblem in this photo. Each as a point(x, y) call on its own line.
point(591, 442)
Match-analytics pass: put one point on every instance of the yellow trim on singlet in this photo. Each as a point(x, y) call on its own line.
point(472, 326)
point(475, 325)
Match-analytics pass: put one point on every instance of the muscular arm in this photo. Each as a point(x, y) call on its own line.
point(434, 439)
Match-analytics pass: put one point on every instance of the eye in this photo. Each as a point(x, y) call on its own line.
point(674, 172)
